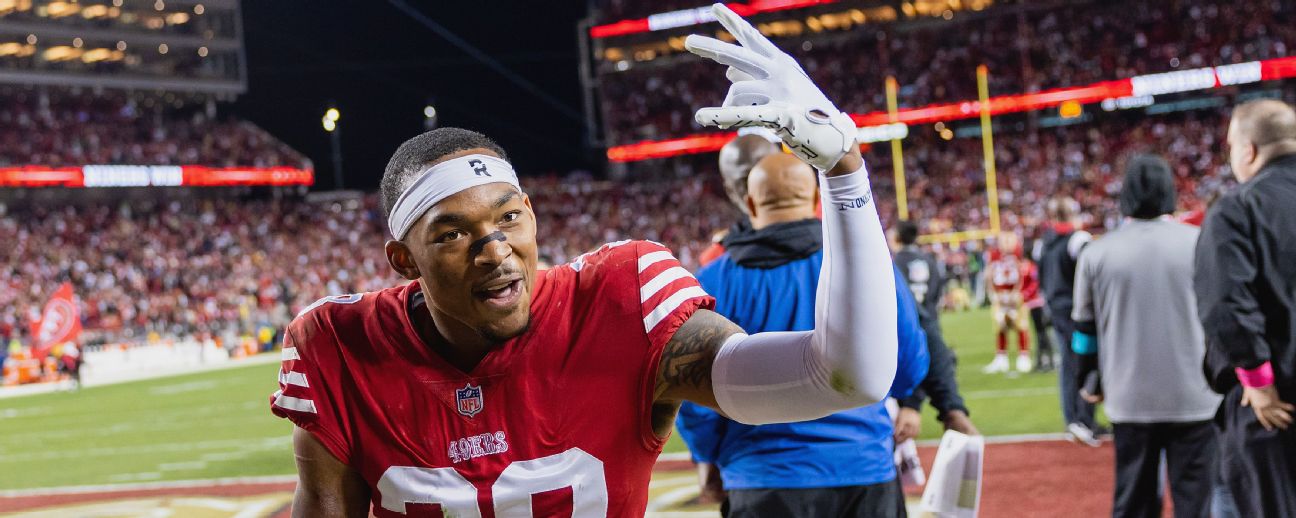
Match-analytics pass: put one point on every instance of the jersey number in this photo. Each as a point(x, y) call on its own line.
point(919, 276)
point(512, 491)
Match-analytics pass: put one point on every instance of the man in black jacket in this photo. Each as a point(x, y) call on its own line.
point(1245, 283)
point(1063, 241)
point(926, 279)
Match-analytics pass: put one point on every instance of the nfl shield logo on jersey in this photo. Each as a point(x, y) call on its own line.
point(469, 400)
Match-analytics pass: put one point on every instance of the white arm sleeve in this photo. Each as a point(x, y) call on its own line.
point(849, 360)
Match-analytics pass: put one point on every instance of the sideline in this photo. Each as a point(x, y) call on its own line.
point(56, 386)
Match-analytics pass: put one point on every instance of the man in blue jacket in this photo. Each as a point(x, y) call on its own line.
point(840, 465)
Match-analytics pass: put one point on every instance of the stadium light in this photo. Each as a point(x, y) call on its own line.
point(1070, 110)
point(429, 111)
point(330, 121)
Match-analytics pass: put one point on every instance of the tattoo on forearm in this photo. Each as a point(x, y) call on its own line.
point(686, 361)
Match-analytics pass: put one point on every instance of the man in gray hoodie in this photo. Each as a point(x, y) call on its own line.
point(1136, 315)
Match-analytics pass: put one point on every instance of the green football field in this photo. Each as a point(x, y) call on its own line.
point(217, 424)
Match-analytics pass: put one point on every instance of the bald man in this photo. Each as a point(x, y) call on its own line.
point(838, 466)
point(737, 158)
point(1245, 282)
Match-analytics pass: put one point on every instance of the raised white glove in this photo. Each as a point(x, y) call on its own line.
point(770, 89)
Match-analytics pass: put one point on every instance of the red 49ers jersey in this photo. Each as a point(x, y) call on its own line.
point(1006, 276)
point(555, 422)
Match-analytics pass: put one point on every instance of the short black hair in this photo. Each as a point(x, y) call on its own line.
point(1148, 190)
point(417, 153)
point(907, 232)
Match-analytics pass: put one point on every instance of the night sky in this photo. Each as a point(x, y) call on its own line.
point(381, 66)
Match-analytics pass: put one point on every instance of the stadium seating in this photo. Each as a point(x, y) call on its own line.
point(945, 180)
point(260, 261)
point(61, 127)
point(220, 268)
point(1027, 47)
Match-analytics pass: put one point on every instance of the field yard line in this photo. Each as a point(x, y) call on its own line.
point(674, 497)
point(678, 480)
point(257, 509)
point(182, 466)
point(172, 484)
point(679, 455)
point(210, 503)
point(241, 444)
point(1005, 393)
point(44, 388)
point(1008, 439)
point(146, 475)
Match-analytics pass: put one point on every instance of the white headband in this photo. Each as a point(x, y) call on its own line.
point(442, 181)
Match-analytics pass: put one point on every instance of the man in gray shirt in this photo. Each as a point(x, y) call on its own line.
point(1136, 311)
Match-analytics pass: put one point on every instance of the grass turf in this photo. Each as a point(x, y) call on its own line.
point(217, 424)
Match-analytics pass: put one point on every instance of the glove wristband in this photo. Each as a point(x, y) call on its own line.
point(1259, 377)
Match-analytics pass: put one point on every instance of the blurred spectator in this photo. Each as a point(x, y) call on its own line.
point(926, 279)
point(1136, 323)
point(1064, 239)
point(226, 267)
point(1027, 47)
point(1246, 295)
point(64, 127)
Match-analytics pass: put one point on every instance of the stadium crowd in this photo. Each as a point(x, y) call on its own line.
point(142, 271)
point(1027, 47)
point(62, 127)
point(946, 180)
point(223, 267)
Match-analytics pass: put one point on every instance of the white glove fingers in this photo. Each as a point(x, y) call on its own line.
point(748, 93)
point(768, 116)
point(734, 75)
point(743, 31)
point(744, 60)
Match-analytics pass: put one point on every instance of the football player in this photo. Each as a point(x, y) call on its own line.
point(1006, 275)
point(488, 387)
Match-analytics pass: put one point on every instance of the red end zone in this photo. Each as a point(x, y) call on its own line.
point(1046, 478)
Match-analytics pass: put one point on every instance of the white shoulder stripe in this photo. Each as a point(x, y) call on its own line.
point(288, 353)
point(292, 403)
point(670, 304)
point(293, 378)
point(661, 280)
point(652, 258)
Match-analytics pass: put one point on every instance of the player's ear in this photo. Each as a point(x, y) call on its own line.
point(400, 259)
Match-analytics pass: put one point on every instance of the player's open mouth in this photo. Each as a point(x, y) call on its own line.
point(501, 295)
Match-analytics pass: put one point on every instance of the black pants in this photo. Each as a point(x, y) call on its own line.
point(883, 500)
point(1043, 345)
point(1074, 408)
point(1259, 465)
point(1190, 458)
